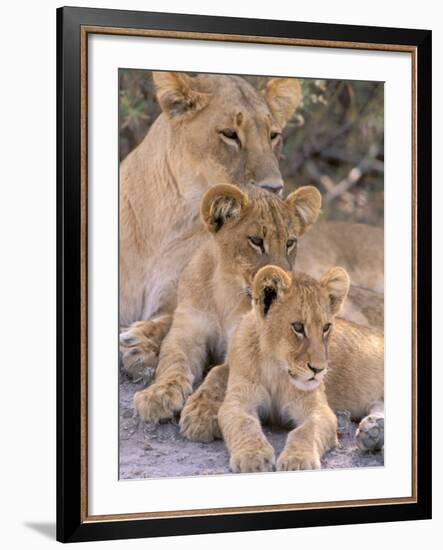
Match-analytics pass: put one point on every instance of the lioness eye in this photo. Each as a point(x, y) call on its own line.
point(231, 135)
point(326, 327)
point(257, 242)
point(290, 244)
point(274, 135)
point(298, 328)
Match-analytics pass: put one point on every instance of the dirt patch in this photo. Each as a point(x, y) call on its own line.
point(152, 451)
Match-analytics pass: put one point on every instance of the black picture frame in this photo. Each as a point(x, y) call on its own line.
point(72, 526)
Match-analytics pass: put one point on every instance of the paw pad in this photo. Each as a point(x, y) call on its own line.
point(370, 434)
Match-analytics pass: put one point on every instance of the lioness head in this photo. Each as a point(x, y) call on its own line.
point(257, 228)
point(296, 316)
point(224, 129)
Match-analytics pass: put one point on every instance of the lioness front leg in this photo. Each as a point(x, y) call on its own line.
point(140, 345)
point(198, 420)
point(309, 441)
point(181, 362)
point(370, 434)
point(248, 447)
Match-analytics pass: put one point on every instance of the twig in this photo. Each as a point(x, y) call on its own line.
point(325, 181)
point(312, 148)
point(354, 175)
point(334, 190)
point(345, 156)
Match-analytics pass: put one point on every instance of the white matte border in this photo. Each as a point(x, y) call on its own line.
point(107, 495)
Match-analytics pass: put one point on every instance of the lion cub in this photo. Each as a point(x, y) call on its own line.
point(278, 358)
point(248, 232)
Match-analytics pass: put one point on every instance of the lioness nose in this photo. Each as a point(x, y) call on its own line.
point(315, 370)
point(274, 186)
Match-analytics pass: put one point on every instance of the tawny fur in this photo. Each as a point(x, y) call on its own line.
point(162, 182)
point(271, 370)
point(182, 156)
point(354, 382)
point(359, 248)
point(247, 231)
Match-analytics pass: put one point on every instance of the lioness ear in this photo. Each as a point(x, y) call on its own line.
point(336, 281)
point(305, 203)
point(220, 204)
point(178, 93)
point(269, 285)
point(283, 96)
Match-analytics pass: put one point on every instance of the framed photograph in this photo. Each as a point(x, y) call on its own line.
point(244, 274)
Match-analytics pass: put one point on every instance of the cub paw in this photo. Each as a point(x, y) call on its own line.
point(139, 350)
point(297, 460)
point(198, 420)
point(370, 434)
point(160, 401)
point(258, 459)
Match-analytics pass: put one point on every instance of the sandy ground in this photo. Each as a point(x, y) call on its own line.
point(153, 451)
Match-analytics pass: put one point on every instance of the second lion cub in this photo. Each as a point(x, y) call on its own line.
point(246, 231)
point(277, 360)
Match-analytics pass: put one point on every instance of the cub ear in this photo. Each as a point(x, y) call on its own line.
point(178, 93)
point(283, 96)
point(269, 285)
point(336, 282)
point(220, 204)
point(305, 203)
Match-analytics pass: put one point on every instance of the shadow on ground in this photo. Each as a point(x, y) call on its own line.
point(45, 529)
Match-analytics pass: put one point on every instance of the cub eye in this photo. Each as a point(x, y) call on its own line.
point(290, 244)
point(274, 135)
point(298, 328)
point(326, 328)
point(231, 135)
point(257, 242)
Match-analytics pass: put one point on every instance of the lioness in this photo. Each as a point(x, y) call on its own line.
point(212, 128)
point(248, 231)
point(292, 335)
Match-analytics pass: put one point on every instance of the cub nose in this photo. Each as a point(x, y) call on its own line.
point(274, 186)
point(315, 370)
